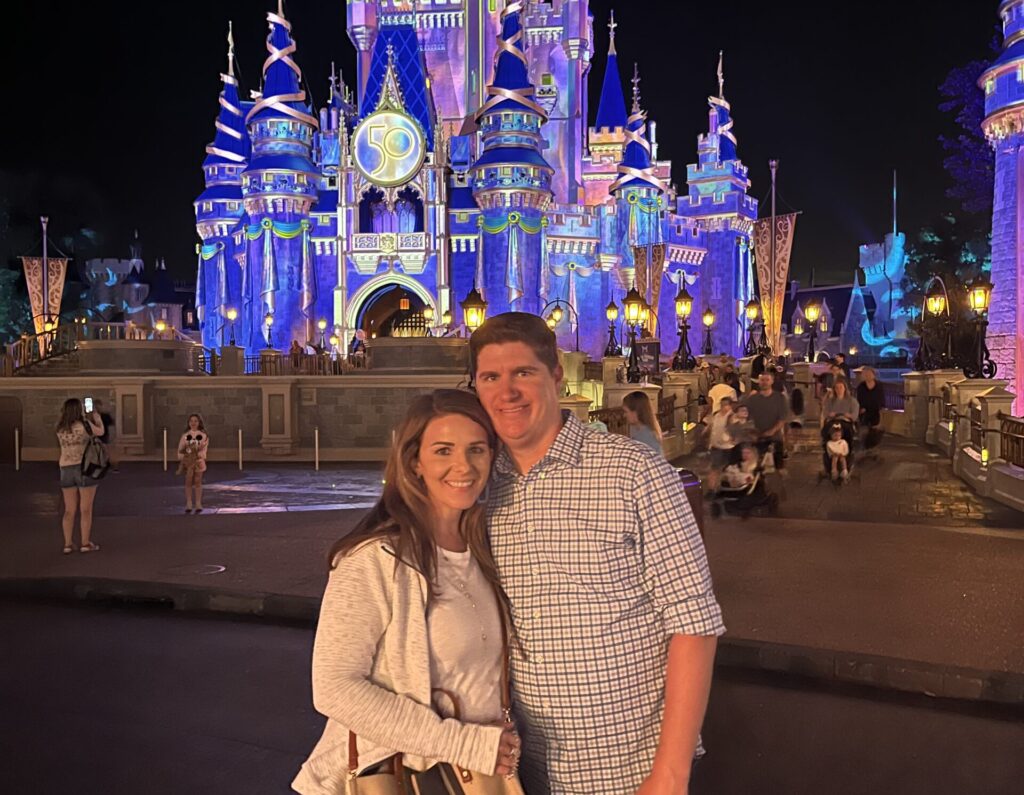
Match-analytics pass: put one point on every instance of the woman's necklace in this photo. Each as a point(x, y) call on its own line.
point(463, 588)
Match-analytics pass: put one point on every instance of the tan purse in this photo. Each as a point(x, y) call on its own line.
point(442, 778)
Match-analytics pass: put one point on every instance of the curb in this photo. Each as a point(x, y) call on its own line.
point(840, 667)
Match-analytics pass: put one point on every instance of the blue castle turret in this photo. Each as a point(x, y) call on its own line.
point(639, 204)
point(280, 186)
point(1004, 127)
point(219, 210)
point(511, 181)
point(718, 204)
point(611, 108)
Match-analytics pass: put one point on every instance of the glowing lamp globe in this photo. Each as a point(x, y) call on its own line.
point(684, 303)
point(611, 312)
point(812, 312)
point(232, 314)
point(557, 312)
point(333, 339)
point(428, 314)
point(321, 324)
point(979, 295)
point(708, 318)
point(752, 309)
point(551, 322)
point(269, 318)
point(633, 303)
point(645, 314)
point(403, 302)
point(853, 351)
point(161, 326)
point(936, 303)
point(474, 309)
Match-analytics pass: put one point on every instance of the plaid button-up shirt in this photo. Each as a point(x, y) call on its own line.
point(600, 555)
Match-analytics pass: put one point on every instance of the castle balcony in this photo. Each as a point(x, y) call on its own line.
point(410, 248)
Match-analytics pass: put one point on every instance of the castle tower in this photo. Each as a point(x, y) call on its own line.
point(718, 203)
point(638, 192)
point(279, 187)
point(1004, 127)
point(219, 210)
point(511, 181)
point(606, 138)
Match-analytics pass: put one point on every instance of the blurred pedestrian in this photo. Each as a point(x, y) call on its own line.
point(411, 653)
point(108, 434)
point(768, 411)
point(74, 430)
point(192, 448)
point(643, 425)
point(721, 442)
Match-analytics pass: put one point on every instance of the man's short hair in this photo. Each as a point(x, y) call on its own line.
point(531, 330)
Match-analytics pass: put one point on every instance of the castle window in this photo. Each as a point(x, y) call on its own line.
point(547, 79)
point(990, 86)
point(207, 207)
point(492, 5)
point(301, 178)
point(268, 177)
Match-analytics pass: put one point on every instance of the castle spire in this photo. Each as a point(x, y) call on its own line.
point(636, 168)
point(721, 75)
point(282, 79)
point(511, 88)
point(611, 110)
point(231, 143)
point(721, 118)
point(231, 49)
point(612, 24)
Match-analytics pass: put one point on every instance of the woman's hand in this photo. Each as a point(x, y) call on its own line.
point(509, 749)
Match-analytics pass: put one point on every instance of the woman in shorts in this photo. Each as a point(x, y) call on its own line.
point(79, 491)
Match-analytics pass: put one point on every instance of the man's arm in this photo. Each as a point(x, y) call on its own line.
point(687, 684)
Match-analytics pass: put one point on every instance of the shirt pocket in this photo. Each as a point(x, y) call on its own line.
point(601, 559)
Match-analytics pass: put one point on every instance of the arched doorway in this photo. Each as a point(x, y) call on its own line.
point(391, 311)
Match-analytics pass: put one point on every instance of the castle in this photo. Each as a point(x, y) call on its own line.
point(1003, 83)
point(467, 160)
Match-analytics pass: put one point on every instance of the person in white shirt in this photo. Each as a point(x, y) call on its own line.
point(838, 449)
point(721, 441)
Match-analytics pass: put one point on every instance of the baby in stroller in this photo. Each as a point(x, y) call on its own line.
point(743, 488)
point(838, 450)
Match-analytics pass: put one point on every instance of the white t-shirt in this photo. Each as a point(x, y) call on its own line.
point(837, 447)
point(464, 635)
point(719, 391)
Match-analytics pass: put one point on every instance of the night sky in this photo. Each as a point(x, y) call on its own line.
point(108, 106)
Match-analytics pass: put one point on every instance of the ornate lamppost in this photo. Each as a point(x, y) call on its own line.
point(683, 360)
point(612, 313)
point(322, 325)
point(812, 312)
point(633, 304)
point(980, 364)
point(708, 319)
point(474, 310)
point(751, 310)
point(269, 320)
point(935, 303)
point(232, 317)
point(558, 313)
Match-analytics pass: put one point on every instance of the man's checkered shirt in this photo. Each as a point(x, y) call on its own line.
point(600, 555)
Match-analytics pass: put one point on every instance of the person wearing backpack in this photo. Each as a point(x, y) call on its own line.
point(75, 433)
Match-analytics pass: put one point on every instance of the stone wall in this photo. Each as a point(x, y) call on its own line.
point(276, 414)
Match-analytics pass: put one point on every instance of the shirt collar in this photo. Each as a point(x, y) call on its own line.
point(566, 449)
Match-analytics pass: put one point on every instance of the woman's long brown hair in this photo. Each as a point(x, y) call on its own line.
point(403, 510)
point(70, 414)
point(639, 403)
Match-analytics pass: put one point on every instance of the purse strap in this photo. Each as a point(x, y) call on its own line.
point(506, 694)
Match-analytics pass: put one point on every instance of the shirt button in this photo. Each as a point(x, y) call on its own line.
point(536, 614)
point(539, 659)
point(535, 571)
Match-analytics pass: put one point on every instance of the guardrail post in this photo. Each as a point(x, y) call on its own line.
point(17, 450)
point(316, 449)
point(165, 449)
point(239, 449)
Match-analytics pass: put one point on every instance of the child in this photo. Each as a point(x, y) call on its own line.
point(192, 448)
point(721, 442)
point(838, 450)
point(742, 474)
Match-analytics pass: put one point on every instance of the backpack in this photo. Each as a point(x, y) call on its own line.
point(95, 461)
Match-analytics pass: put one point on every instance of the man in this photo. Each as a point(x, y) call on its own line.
point(768, 411)
point(108, 434)
point(840, 362)
point(599, 552)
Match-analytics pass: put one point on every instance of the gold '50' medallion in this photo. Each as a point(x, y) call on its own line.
point(388, 148)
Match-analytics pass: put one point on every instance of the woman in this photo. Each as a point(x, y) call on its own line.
point(192, 447)
point(643, 427)
point(73, 432)
point(871, 398)
point(839, 404)
point(412, 608)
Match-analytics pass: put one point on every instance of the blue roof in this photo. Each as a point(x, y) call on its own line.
point(509, 71)
point(511, 155)
point(611, 110)
point(133, 277)
point(1012, 53)
point(280, 78)
point(282, 163)
point(223, 141)
point(410, 71)
point(231, 192)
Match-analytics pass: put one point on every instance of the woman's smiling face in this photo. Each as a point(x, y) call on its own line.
point(454, 461)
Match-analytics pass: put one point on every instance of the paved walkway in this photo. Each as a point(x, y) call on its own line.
point(909, 601)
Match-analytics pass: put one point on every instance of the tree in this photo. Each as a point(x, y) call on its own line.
point(15, 315)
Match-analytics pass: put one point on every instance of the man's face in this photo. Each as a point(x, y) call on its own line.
point(519, 393)
point(764, 382)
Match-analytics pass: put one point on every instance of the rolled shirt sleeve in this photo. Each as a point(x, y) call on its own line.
point(675, 565)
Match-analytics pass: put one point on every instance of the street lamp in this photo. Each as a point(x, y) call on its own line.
point(683, 360)
point(633, 304)
point(751, 310)
point(708, 319)
point(268, 320)
point(558, 313)
point(979, 295)
point(812, 312)
point(322, 325)
point(612, 313)
point(161, 326)
point(428, 317)
point(937, 304)
point(474, 310)
point(232, 317)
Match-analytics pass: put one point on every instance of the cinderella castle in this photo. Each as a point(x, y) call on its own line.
point(466, 160)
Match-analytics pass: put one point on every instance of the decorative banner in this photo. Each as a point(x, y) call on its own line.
point(657, 269)
point(773, 286)
point(640, 270)
point(48, 306)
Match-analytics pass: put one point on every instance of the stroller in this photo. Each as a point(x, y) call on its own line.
point(744, 499)
point(849, 432)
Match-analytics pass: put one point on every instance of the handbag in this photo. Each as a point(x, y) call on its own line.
point(95, 461)
point(443, 778)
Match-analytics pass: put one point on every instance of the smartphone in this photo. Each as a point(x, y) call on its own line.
point(87, 404)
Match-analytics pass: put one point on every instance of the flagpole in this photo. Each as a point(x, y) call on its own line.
point(774, 166)
point(46, 276)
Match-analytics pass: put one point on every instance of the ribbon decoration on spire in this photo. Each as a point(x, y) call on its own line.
point(228, 100)
point(723, 111)
point(282, 54)
point(510, 47)
point(636, 165)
